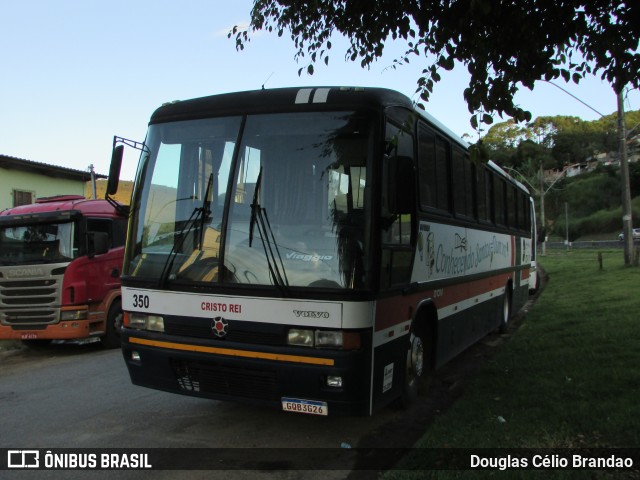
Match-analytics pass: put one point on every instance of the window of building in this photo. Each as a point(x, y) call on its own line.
point(21, 197)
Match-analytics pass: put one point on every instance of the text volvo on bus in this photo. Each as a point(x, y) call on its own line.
point(319, 250)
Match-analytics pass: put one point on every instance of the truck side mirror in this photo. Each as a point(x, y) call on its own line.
point(114, 169)
point(98, 243)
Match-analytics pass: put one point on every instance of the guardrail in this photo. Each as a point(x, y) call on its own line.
point(590, 244)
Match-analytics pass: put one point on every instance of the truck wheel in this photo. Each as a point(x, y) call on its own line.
point(111, 338)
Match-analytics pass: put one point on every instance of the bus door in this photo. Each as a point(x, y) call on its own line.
point(397, 244)
point(398, 229)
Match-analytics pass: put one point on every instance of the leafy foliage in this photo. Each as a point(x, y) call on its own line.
point(593, 198)
point(503, 44)
point(554, 141)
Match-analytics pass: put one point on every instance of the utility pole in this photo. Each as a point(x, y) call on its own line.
point(544, 225)
point(627, 223)
point(93, 182)
point(566, 222)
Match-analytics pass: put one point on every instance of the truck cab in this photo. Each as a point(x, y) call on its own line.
point(60, 266)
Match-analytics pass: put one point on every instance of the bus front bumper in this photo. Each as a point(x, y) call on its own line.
point(250, 374)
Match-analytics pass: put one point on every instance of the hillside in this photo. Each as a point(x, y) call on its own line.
point(124, 190)
point(593, 203)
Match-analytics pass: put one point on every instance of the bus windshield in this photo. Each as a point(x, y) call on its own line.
point(273, 199)
point(38, 243)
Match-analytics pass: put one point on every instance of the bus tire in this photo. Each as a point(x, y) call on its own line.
point(111, 338)
point(505, 312)
point(417, 369)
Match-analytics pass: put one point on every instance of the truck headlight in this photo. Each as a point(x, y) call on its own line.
point(77, 314)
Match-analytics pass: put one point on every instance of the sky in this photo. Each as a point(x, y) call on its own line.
point(77, 72)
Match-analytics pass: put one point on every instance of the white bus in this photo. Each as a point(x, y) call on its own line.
point(318, 250)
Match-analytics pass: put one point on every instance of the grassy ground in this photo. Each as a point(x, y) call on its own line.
point(569, 377)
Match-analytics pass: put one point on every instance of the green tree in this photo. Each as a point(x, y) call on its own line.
point(505, 135)
point(529, 155)
point(503, 44)
point(542, 130)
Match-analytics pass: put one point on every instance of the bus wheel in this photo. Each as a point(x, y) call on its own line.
point(505, 314)
point(111, 338)
point(416, 370)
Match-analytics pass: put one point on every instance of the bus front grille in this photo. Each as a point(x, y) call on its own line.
point(202, 329)
point(212, 378)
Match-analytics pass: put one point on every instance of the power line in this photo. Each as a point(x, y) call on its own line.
point(572, 95)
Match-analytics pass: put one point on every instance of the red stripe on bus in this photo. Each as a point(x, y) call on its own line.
point(391, 311)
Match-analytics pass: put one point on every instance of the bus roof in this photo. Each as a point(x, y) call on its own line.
point(292, 99)
point(497, 168)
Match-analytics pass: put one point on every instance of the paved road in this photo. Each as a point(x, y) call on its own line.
point(81, 397)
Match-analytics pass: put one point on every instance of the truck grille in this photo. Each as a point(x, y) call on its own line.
point(24, 302)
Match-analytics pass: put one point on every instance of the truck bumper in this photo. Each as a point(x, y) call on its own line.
point(61, 331)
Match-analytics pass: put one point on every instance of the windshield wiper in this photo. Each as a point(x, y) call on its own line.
point(201, 213)
point(206, 208)
point(269, 243)
point(254, 206)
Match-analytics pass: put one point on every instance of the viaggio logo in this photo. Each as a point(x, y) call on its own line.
point(311, 314)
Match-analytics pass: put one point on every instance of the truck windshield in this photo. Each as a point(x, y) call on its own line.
point(36, 244)
point(287, 205)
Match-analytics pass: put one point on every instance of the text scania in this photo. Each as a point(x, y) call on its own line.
point(26, 272)
point(457, 263)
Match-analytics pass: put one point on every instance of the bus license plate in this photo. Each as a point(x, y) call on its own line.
point(304, 406)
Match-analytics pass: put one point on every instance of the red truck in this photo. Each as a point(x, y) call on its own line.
point(60, 265)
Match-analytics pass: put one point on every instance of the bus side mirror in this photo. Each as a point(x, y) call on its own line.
point(98, 243)
point(401, 185)
point(114, 169)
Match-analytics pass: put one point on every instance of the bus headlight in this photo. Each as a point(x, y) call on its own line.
point(143, 321)
point(328, 339)
point(337, 339)
point(300, 337)
point(155, 323)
